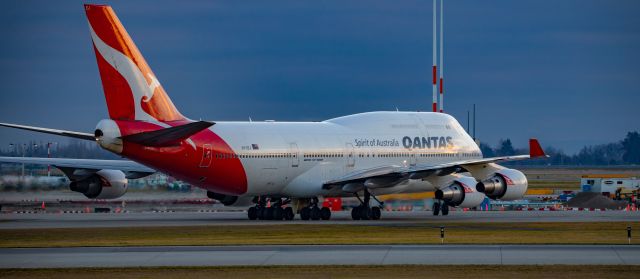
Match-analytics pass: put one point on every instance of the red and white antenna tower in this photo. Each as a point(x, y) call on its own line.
point(441, 55)
point(435, 57)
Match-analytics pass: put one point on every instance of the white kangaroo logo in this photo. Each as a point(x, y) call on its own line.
point(152, 87)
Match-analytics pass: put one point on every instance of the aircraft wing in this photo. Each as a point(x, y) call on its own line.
point(64, 133)
point(397, 173)
point(70, 166)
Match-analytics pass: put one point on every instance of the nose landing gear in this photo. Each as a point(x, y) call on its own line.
point(440, 206)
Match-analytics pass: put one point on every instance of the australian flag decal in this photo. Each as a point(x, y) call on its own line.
point(254, 146)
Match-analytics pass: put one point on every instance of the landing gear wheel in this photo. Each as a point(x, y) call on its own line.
point(278, 213)
point(305, 213)
point(436, 208)
point(365, 213)
point(252, 213)
point(288, 214)
point(325, 213)
point(355, 213)
point(376, 213)
point(260, 213)
point(268, 213)
point(315, 213)
point(445, 209)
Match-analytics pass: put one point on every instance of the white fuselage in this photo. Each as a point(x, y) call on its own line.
point(296, 158)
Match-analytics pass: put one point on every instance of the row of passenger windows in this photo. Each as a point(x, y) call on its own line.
point(406, 155)
point(257, 156)
point(340, 155)
point(473, 154)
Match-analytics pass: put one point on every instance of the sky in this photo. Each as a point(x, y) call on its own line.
point(564, 71)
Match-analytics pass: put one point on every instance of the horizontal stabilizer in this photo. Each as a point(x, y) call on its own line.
point(168, 136)
point(71, 134)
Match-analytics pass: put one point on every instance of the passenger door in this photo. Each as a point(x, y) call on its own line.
point(350, 155)
point(295, 158)
point(207, 156)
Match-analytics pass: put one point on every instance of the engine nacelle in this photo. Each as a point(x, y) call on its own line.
point(104, 184)
point(222, 198)
point(108, 134)
point(461, 193)
point(506, 184)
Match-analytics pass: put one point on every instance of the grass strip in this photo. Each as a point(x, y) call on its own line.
point(427, 233)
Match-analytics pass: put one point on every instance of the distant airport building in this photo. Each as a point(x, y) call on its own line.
point(609, 183)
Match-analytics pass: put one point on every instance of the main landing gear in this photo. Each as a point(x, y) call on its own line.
point(314, 212)
point(440, 206)
point(270, 209)
point(364, 211)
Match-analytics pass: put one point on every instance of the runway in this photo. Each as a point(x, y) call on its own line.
point(70, 220)
point(320, 255)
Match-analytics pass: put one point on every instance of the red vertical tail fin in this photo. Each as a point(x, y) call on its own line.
point(131, 89)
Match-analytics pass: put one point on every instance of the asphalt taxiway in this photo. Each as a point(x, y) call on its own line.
point(319, 255)
point(85, 220)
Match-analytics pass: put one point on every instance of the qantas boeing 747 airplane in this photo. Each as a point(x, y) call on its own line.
point(276, 169)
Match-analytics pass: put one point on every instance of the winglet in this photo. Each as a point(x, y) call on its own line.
point(535, 150)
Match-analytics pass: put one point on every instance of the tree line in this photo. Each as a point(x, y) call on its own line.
point(624, 152)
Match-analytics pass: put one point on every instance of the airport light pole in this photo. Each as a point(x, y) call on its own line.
point(35, 148)
point(49, 156)
point(24, 147)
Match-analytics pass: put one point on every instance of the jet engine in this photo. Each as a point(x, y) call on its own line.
point(505, 184)
point(461, 193)
point(104, 184)
point(107, 135)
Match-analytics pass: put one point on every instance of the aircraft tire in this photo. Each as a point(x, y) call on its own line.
point(252, 213)
point(305, 213)
point(376, 213)
point(445, 209)
point(268, 213)
point(325, 213)
point(260, 213)
point(365, 213)
point(288, 214)
point(315, 213)
point(355, 213)
point(278, 213)
point(436, 208)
